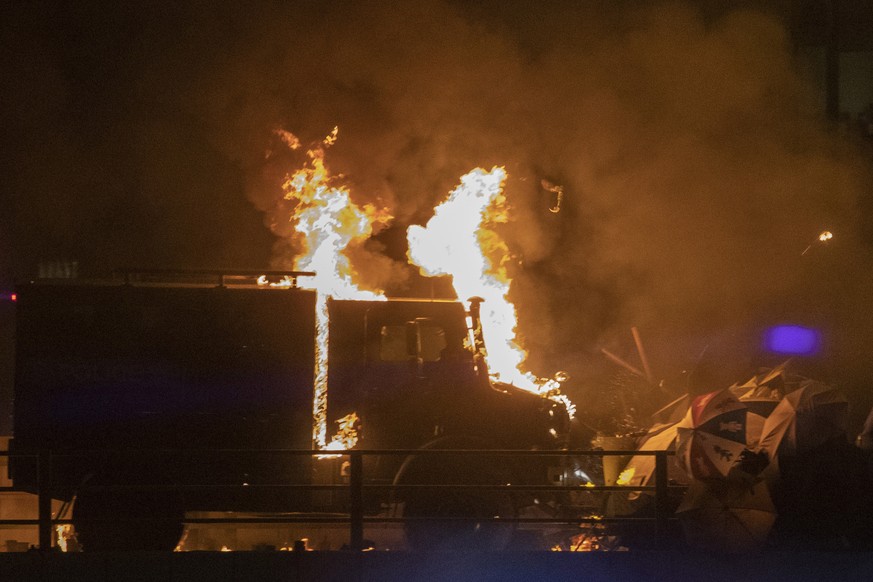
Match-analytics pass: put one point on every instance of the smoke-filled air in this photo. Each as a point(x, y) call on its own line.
point(667, 167)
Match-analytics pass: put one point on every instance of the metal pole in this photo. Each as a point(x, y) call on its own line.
point(356, 501)
point(662, 506)
point(44, 500)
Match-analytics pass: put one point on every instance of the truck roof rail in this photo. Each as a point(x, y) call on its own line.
point(222, 277)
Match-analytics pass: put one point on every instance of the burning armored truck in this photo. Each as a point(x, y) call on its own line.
point(155, 398)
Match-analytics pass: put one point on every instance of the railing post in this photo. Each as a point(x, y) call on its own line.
point(662, 505)
point(356, 501)
point(44, 499)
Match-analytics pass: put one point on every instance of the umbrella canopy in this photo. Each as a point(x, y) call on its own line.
point(760, 409)
point(768, 385)
point(712, 436)
point(761, 394)
point(640, 468)
point(754, 428)
point(672, 412)
point(727, 516)
point(804, 419)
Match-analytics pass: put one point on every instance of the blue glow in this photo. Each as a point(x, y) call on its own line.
point(792, 339)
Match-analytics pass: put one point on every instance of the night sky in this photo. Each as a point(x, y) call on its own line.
point(696, 158)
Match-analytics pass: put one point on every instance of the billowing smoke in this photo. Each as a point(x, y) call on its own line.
point(695, 163)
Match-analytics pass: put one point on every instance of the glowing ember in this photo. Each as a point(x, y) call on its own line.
point(329, 223)
point(594, 538)
point(625, 476)
point(458, 241)
point(64, 535)
point(346, 436)
point(823, 237)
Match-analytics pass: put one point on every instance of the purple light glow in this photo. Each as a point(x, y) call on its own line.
point(792, 339)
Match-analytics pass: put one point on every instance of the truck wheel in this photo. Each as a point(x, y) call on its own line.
point(127, 521)
point(454, 519)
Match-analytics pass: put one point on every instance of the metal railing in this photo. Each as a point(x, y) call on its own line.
point(221, 276)
point(357, 485)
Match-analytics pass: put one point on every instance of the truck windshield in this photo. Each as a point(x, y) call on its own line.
point(394, 346)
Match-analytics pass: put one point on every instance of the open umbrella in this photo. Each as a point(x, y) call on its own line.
point(712, 437)
point(768, 384)
point(759, 410)
point(640, 468)
point(672, 412)
point(804, 419)
point(727, 516)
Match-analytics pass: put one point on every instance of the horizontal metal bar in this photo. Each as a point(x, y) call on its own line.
point(511, 488)
point(344, 519)
point(498, 519)
point(216, 272)
point(281, 519)
point(347, 452)
point(207, 486)
point(375, 519)
point(372, 487)
point(34, 521)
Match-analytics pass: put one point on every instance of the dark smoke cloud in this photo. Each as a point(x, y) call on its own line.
point(695, 161)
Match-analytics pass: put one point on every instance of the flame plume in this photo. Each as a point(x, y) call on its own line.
point(328, 222)
point(455, 242)
point(458, 241)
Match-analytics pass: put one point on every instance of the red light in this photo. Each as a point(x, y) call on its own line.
point(14, 297)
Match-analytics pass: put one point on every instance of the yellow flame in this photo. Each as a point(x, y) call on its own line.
point(826, 236)
point(625, 476)
point(288, 138)
point(346, 436)
point(64, 534)
point(459, 240)
point(329, 222)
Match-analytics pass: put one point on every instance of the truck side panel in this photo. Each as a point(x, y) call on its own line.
point(121, 367)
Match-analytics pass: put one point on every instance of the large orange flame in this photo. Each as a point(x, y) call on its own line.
point(459, 240)
point(329, 222)
point(455, 242)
